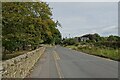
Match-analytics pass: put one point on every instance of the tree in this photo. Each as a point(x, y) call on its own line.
point(28, 23)
point(112, 38)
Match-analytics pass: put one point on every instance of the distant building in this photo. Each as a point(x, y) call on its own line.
point(84, 38)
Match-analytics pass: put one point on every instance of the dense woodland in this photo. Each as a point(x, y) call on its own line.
point(27, 25)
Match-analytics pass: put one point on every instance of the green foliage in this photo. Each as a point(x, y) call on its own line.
point(107, 47)
point(102, 52)
point(113, 38)
point(114, 45)
point(97, 51)
point(27, 24)
point(96, 40)
point(69, 41)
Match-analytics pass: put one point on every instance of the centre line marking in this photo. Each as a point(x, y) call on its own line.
point(57, 66)
point(56, 55)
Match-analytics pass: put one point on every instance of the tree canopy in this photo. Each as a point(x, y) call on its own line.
point(27, 23)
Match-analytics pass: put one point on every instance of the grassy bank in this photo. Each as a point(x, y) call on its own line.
point(102, 52)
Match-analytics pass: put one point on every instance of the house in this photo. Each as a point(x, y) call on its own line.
point(84, 38)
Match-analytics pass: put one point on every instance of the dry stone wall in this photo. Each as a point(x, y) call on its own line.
point(19, 67)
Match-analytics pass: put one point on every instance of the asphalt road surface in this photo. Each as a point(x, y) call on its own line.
point(60, 62)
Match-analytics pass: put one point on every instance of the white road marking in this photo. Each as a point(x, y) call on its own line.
point(56, 57)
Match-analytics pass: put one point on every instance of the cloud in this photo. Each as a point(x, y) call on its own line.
point(82, 18)
point(109, 28)
point(104, 31)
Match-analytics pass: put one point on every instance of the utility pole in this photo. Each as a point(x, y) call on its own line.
point(69, 35)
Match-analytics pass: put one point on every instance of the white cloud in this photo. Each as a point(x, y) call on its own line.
point(82, 18)
point(109, 28)
point(104, 31)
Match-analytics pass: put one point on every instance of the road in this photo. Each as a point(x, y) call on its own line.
point(60, 62)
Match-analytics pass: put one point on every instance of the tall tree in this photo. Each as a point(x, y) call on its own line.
point(26, 24)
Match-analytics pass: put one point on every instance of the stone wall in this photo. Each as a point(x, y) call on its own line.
point(19, 67)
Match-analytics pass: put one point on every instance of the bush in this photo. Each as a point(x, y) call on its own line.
point(114, 45)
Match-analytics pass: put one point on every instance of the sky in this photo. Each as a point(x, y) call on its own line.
point(79, 18)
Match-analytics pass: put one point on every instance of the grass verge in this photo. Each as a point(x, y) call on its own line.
point(109, 53)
